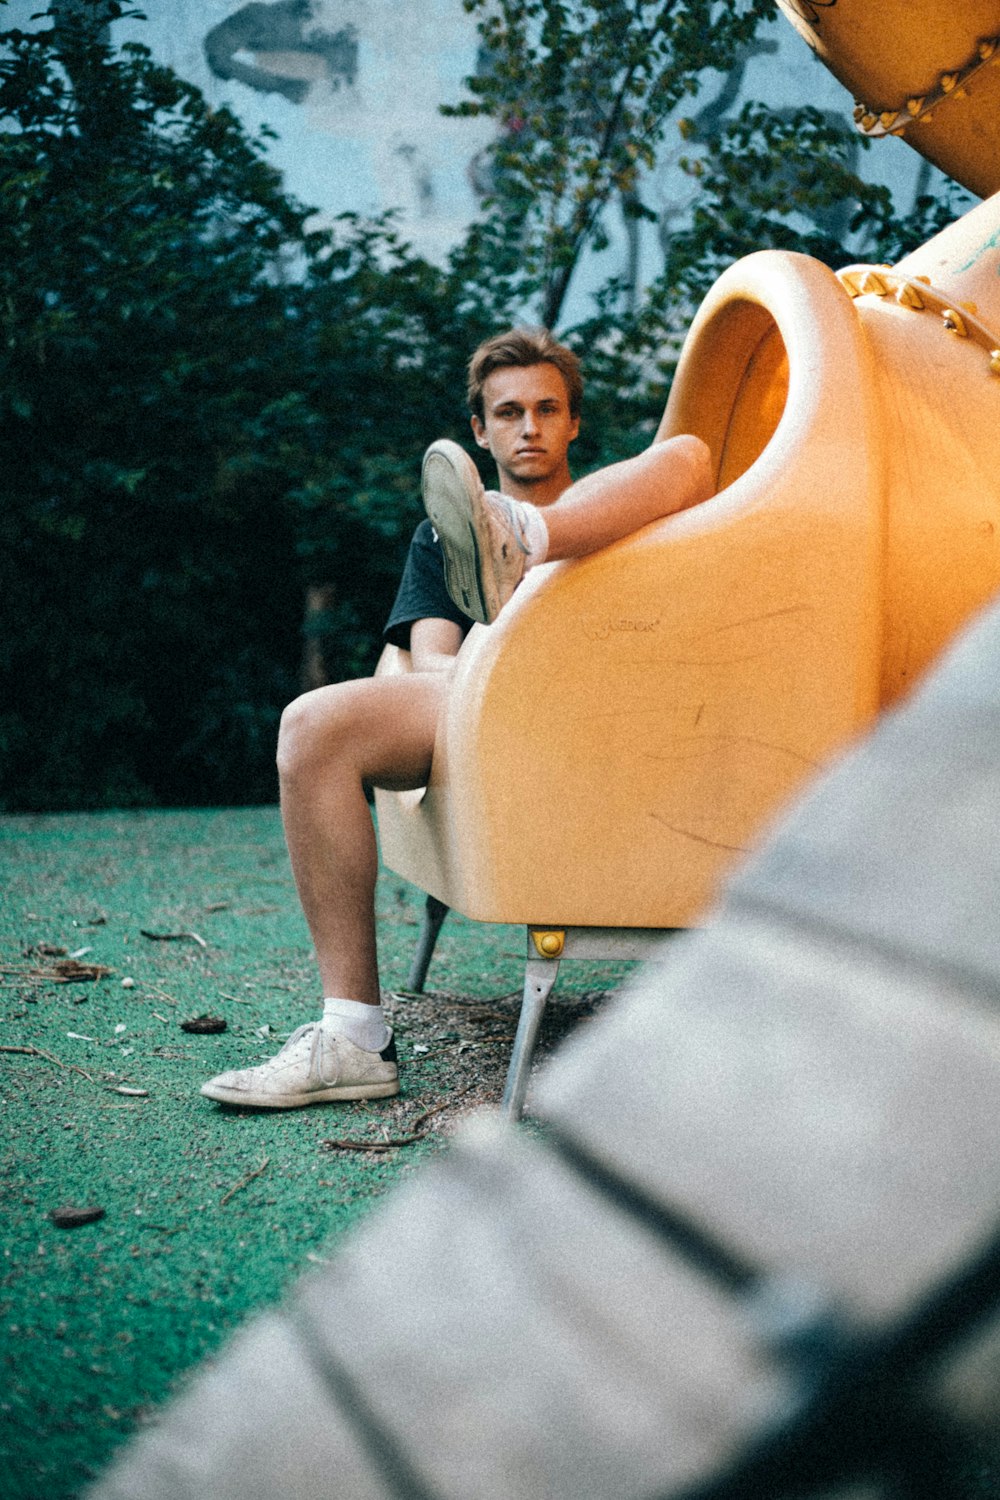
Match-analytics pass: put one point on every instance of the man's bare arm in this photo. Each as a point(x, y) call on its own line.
point(434, 644)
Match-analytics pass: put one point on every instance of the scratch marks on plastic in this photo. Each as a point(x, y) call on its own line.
point(697, 746)
point(699, 838)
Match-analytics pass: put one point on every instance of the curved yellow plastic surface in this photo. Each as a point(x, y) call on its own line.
point(617, 737)
point(928, 70)
point(938, 414)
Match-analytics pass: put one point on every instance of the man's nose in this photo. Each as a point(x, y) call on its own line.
point(529, 422)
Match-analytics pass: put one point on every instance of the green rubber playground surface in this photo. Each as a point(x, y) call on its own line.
point(114, 930)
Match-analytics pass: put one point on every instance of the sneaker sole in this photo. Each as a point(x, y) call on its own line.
point(456, 512)
point(249, 1099)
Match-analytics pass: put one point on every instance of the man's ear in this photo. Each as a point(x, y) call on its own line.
point(479, 431)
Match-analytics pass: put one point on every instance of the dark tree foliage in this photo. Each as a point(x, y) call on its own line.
point(204, 409)
point(140, 237)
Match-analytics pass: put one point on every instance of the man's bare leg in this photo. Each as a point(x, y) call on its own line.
point(490, 540)
point(334, 741)
point(618, 500)
point(377, 731)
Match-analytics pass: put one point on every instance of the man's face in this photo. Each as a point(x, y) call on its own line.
point(526, 424)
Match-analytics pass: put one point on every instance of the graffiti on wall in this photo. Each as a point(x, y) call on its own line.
point(280, 48)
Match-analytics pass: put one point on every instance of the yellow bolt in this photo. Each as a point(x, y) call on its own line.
point(888, 117)
point(867, 121)
point(986, 49)
point(549, 944)
point(915, 105)
point(995, 361)
point(908, 296)
point(954, 322)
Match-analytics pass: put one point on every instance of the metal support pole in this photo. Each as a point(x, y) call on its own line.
point(539, 978)
point(435, 912)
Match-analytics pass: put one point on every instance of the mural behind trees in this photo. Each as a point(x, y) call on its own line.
point(289, 53)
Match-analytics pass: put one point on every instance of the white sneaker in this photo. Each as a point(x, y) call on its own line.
point(481, 532)
point(313, 1067)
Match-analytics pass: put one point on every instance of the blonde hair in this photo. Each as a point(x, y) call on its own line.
point(523, 347)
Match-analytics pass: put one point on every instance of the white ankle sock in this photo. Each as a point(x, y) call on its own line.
point(364, 1025)
point(536, 535)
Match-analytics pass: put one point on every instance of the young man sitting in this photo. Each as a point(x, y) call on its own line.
point(464, 563)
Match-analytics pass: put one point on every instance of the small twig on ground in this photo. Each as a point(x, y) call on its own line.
point(155, 990)
point(40, 1052)
point(486, 1013)
point(172, 937)
point(245, 1181)
point(436, 1109)
point(399, 1140)
point(236, 999)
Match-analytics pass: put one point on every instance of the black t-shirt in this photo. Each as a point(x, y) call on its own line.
point(422, 594)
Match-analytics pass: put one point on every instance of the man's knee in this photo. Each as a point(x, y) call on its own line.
point(702, 468)
point(293, 734)
point(381, 727)
point(311, 728)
